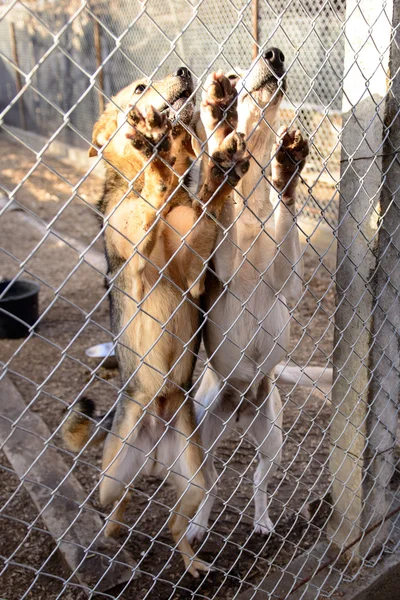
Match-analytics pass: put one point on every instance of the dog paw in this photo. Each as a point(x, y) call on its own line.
point(195, 532)
point(218, 100)
point(264, 526)
point(197, 566)
point(289, 154)
point(149, 129)
point(231, 159)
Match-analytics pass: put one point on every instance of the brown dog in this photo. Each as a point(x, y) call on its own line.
point(158, 240)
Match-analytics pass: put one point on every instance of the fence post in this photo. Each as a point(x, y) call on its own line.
point(99, 62)
point(18, 81)
point(366, 354)
point(254, 15)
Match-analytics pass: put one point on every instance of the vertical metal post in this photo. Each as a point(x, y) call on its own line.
point(18, 81)
point(100, 79)
point(255, 27)
point(366, 354)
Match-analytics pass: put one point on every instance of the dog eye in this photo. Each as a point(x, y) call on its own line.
point(140, 88)
point(232, 76)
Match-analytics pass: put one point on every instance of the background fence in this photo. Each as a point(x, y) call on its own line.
point(134, 39)
point(336, 493)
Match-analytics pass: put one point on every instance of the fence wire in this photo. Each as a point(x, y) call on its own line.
point(295, 382)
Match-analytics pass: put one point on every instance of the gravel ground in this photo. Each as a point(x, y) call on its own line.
point(52, 369)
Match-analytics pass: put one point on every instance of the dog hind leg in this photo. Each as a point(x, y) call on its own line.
point(116, 518)
point(210, 416)
point(266, 431)
point(124, 457)
point(185, 458)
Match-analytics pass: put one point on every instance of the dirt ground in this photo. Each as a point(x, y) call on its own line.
point(51, 370)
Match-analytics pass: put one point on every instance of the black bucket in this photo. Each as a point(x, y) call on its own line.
point(21, 300)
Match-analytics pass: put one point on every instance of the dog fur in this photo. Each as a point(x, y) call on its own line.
point(158, 240)
point(256, 269)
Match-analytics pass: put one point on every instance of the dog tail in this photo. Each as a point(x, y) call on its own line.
point(81, 425)
point(320, 378)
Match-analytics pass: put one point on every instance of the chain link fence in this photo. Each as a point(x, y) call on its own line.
point(133, 41)
point(296, 382)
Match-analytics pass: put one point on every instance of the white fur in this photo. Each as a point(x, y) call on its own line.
point(246, 335)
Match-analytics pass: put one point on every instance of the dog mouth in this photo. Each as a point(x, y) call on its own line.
point(177, 101)
point(180, 106)
point(182, 96)
point(271, 82)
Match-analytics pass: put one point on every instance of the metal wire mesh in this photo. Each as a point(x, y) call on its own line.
point(328, 453)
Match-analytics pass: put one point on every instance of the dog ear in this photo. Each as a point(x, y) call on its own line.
point(104, 128)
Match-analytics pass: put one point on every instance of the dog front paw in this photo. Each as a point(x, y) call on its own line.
point(150, 129)
point(289, 154)
point(218, 101)
point(230, 160)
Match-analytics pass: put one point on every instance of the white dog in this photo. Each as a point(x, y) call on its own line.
point(257, 269)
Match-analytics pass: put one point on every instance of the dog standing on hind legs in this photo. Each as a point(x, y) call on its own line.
point(155, 313)
point(256, 268)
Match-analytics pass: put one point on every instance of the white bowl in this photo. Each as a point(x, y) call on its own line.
point(100, 351)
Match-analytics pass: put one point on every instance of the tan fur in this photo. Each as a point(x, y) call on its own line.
point(116, 518)
point(156, 317)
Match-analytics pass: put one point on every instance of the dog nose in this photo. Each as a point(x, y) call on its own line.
point(275, 58)
point(183, 72)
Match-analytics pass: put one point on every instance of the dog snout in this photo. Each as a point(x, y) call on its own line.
point(275, 58)
point(183, 72)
